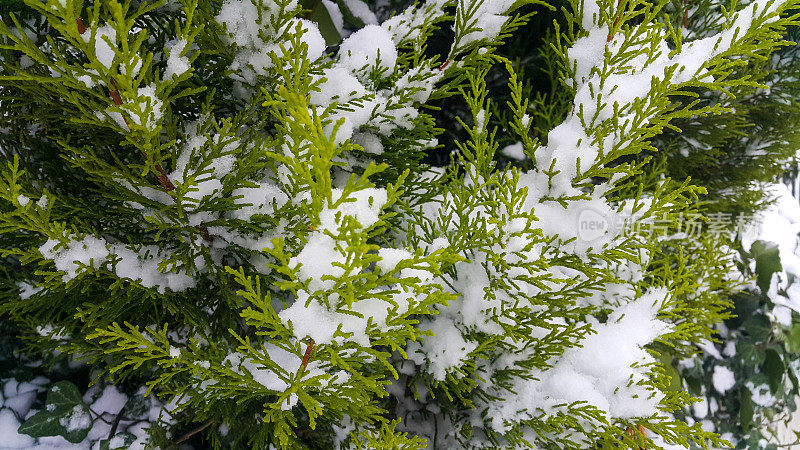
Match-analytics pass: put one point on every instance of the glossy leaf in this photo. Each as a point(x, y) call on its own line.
point(119, 441)
point(349, 17)
point(774, 369)
point(745, 407)
point(319, 14)
point(64, 415)
point(768, 261)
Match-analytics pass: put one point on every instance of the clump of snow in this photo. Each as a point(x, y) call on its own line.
point(364, 206)
point(371, 46)
point(723, 379)
point(311, 36)
point(571, 147)
point(50, 331)
point(779, 225)
point(177, 64)
point(239, 18)
point(390, 257)
point(87, 80)
point(253, 53)
point(78, 419)
point(27, 290)
point(110, 400)
point(8, 430)
point(514, 151)
point(105, 37)
point(20, 395)
point(116, 116)
point(265, 198)
point(285, 364)
point(782, 315)
point(700, 409)
point(69, 257)
point(289, 402)
point(311, 318)
point(361, 10)
point(445, 350)
point(319, 262)
point(321, 259)
point(42, 202)
point(604, 372)
point(761, 395)
point(356, 106)
point(140, 265)
point(489, 19)
point(150, 107)
point(131, 67)
point(369, 142)
point(339, 86)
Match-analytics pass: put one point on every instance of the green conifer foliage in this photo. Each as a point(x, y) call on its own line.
point(226, 221)
point(747, 376)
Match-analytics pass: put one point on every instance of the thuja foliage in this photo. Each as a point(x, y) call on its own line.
point(748, 376)
point(754, 141)
point(220, 211)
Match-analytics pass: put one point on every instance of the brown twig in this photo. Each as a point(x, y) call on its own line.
point(191, 433)
point(444, 65)
point(99, 415)
point(307, 355)
point(81, 26)
point(614, 26)
point(637, 433)
point(685, 13)
point(115, 425)
point(116, 97)
point(162, 176)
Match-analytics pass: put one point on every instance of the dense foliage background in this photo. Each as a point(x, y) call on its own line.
point(393, 224)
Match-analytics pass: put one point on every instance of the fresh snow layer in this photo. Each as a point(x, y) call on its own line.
point(723, 379)
point(176, 63)
point(371, 46)
point(603, 372)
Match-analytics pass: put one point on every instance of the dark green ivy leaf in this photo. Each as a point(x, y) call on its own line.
point(64, 415)
point(675, 382)
point(64, 395)
point(773, 368)
point(793, 339)
point(119, 441)
point(319, 14)
point(793, 379)
point(745, 408)
point(136, 406)
point(758, 326)
point(349, 17)
point(768, 261)
point(749, 353)
point(695, 385)
point(744, 306)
